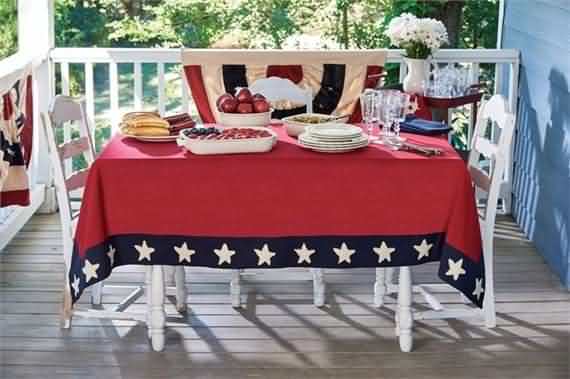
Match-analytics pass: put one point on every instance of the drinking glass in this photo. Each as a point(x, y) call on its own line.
point(397, 108)
point(368, 100)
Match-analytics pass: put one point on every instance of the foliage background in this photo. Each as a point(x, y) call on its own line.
point(238, 24)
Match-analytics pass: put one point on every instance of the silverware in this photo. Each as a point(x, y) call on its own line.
point(426, 150)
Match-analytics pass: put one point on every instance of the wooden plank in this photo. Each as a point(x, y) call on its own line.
point(75, 181)
point(73, 148)
point(279, 329)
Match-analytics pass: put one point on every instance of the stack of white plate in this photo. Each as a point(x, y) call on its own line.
point(333, 138)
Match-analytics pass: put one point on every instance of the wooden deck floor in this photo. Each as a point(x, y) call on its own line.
point(279, 334)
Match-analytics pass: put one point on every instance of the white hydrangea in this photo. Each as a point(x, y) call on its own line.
point(407, 29)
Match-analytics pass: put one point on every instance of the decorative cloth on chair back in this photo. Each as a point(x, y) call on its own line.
point(15, 137)
point(336, 78)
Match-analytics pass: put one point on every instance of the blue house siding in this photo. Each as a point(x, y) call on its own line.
point(541, 198)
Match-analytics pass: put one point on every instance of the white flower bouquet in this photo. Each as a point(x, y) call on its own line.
point(420, 37)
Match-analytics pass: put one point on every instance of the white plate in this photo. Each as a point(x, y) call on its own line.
point(233, 146)
point(153, 138)
point(294, 128)
point(322, 150)
point(308, 139)
point(335, 131)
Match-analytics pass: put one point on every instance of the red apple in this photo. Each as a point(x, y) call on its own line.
point(244, 95)
point(258, 96)
point(223, 97)
point(228, 105)
point(245, 108)
point(260, 106)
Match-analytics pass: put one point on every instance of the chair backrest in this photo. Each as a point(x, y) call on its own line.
point(275, 88)
point(489, 150)
point(64, 110)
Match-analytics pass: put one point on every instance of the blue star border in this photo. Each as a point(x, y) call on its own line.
point(284, 247)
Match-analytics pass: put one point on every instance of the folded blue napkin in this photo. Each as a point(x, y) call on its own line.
point(417, 125)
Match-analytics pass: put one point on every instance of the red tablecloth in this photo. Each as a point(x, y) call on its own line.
point(157, 204)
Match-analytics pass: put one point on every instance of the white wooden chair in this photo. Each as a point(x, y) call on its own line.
point(69, 186)
point(275, 88)
point(486, 180)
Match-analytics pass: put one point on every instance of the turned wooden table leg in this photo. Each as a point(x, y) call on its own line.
point(405, 317)
point(380, 287)
point(157, 315)
point(180, 281)
point(235, 288)
point(318, 287)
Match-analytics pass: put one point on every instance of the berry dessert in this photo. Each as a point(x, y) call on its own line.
point(212, 133)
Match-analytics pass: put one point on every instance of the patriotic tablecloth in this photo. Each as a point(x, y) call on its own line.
point(151, 204)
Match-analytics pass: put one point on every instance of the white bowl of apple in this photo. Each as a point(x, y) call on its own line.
point(244, 109)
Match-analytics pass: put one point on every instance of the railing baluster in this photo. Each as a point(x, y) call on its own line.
point(185, 95)
point(90, 97)
point(161, 88)
point(138, 86)
point(67, 164)
point(475, 71)
point(114, 96)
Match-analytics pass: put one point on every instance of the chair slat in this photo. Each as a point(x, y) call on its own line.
point(77, 180)
point(73, 148)
point(480, 178)
point(486, 147)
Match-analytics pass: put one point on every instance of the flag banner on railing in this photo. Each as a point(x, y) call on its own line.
point(336, 78)
point(15, 138)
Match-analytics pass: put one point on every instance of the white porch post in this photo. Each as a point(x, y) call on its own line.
point(36, 39)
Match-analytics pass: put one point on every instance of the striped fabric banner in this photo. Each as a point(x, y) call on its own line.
point(15, 138)
point(336, 78)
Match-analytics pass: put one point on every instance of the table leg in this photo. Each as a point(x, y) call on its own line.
point(148, 291)
point(405, 318)
point(318, 287)
point(157, 315)
point(180, 280)
point(235, 288)
point(380, 287)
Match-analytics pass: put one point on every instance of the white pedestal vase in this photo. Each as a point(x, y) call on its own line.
point(417, 74)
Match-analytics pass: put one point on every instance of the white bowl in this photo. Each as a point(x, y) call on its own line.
point(232, 146)
point(295, 128)
point(245, 119)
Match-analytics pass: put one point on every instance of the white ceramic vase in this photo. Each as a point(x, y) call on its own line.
point(417, 73)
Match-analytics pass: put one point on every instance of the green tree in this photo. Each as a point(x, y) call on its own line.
point(8, 28)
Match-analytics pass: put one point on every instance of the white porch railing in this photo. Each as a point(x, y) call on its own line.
point(505, 62)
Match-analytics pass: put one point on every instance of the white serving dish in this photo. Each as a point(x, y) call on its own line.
point(294, 128)
point(245, 119)
point(233, 146)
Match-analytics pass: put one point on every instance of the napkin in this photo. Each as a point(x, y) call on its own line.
point(417, 125)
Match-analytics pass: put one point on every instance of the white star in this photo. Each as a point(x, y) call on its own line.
point(455, 268)
point(184, 253)
point(111, 254)
point(144, 251)
point(384, 252)
point(264, 255)
point(90, 270)
point(478, 288)
point(304, 254)
point(224, 254)
point(423, 249)
point(75, 285)
point(343, 253)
